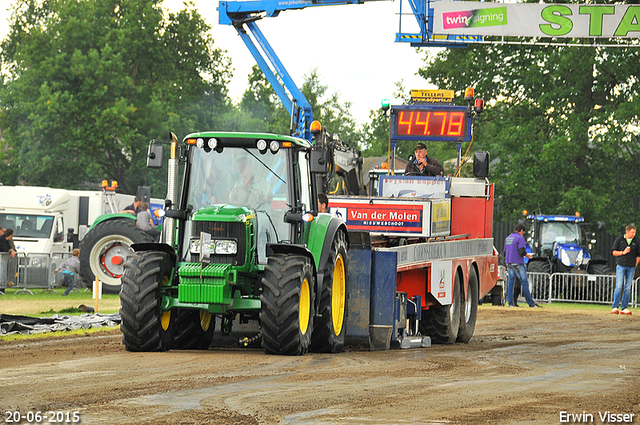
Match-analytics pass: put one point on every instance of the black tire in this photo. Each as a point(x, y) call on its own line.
point(469, 310)
point(330, 327)
point(193, 329)
point(496, 295)
point(539, 267)
point(144, 326)
point(442, 324)
point(287, 301)
point(598, 268)
point(103, 248)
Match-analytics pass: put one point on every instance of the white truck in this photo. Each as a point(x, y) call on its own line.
point(48, 223)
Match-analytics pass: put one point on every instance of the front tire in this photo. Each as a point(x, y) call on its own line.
point(442, 324)
point(144, 326)
point(469, 310)
point(287, 298)
point(104, 250)
point(330, 329)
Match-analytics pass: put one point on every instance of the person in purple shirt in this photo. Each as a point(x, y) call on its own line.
point(514, 253)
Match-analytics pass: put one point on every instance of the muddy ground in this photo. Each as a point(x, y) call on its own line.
point(523, 366)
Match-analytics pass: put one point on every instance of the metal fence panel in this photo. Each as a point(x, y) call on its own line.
point(33, 271)
point(8, 268)
point(577, 288)
point(539, 286)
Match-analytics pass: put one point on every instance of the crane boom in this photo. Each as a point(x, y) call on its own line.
point(242, 15)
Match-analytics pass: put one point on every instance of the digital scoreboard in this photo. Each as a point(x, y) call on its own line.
point(430, 122)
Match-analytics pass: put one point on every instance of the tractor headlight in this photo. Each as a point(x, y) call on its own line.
point(194, 246)
point(564, 258)
point(580, 258)
point(225, 246)
point(217, 246)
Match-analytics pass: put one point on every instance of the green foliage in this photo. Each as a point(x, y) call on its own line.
point(90, 82)
point(260, 102)
point(561, 125)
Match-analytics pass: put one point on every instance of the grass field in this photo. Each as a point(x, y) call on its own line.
point(44, 304)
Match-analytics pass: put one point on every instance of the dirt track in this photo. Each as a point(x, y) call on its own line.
point(522, 366)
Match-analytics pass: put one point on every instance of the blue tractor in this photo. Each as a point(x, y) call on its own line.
point(559, 244)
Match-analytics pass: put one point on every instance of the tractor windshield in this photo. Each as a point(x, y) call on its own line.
point(242, 177)
point(561, 232)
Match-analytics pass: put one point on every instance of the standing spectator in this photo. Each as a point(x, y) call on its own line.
point(145, 222)
point(323, 203)
point(6, 243)
point(627, 249)
point(69, 268)
point(11, 263)
point(423, 165)
point(514, 253)
point(133, 208)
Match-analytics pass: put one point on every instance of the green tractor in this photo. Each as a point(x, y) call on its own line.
point(243, 242)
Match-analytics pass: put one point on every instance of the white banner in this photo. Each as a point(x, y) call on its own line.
point(537, 20)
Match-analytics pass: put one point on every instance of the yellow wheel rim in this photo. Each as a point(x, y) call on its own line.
point(165, 320)
point(338, 293)
point(205, 320)
point(305, 306)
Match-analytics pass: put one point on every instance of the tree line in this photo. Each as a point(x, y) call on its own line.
point(86, 84)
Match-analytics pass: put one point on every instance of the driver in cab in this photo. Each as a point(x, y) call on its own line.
point(249, 190)
point(423, 165)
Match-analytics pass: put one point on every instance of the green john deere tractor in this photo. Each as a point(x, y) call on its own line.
point(243, 242)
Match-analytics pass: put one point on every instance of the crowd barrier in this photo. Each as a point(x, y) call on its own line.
point(577, 287)
point(29, 272)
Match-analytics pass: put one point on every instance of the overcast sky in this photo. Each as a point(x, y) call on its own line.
point(352, 47)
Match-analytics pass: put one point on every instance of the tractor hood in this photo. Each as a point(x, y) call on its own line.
point(223, 212)
point(571, 254)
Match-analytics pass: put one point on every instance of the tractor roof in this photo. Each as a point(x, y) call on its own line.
point(244, 139)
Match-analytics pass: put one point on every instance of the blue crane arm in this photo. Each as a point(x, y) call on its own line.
point(230, 12)
point(243, 16)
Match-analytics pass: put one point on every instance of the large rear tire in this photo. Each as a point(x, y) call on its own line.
point(104, 250)
point(539, 267)
point(193, 329)
point(469, 310)
point(287, 298)
point(330, 328)
point(598, 268)
point(144, 326)
point(442, 324)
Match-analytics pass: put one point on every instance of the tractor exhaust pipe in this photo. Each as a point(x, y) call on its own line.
point(172, 190)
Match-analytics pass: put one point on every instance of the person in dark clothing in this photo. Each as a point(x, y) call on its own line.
point(423, 165)
point(135, 207)
point(6, 245)
point(627, 250)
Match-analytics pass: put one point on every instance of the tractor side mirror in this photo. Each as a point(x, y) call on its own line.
point(154, 155)
point(318, 161)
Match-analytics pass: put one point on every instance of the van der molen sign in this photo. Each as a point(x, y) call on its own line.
point(537, 20)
